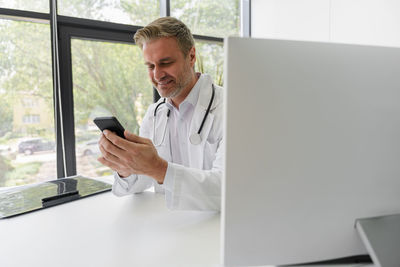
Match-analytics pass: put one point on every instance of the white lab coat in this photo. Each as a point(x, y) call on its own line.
point(198, 186)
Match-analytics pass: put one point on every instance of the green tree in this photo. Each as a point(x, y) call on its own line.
point(32, 5)
point(5, 167)
point(208, 17)
point(25, 63)
point(111, 76)
point(141, 12)
point(6, 115)
point(91, 9)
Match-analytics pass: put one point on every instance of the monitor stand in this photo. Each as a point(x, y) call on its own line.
point(381, 237)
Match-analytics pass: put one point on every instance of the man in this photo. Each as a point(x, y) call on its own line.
point(179, 150)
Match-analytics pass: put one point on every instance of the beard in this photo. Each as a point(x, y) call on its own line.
point(181, 82)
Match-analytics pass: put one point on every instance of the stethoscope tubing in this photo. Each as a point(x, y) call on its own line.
point(208, 109)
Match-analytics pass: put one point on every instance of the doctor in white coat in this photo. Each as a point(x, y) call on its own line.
point(179, 149)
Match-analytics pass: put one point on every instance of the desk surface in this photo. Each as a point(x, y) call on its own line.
point(105, 230)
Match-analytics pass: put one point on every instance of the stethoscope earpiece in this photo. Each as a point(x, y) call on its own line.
point(195, 138)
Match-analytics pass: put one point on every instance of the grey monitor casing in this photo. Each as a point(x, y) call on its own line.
point(312, 142)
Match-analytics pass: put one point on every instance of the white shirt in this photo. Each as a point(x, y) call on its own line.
point(178, 126)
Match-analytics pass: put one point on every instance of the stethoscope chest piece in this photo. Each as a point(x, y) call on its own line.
point(195, 139)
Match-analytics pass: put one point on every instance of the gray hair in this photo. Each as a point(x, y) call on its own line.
point(166, 27)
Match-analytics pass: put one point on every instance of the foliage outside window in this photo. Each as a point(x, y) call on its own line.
point(138, 12)
point(31, 5)
point(210, 60)
point(209, 17)
point(26, 96)
point(109, 79)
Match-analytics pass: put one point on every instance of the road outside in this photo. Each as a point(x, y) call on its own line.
point(41, 166)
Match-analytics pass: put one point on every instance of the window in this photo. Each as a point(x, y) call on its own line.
point(32, 5)
point(109, 79)
point(210, 60)
point(29, 102)
point(139, 12)
point(101, 73)
point(31, 119)
point(26, 98)
point(208, 17)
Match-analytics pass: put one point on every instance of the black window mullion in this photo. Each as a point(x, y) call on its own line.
point(88, 24)
point(165, 11)
point(98, 34)
point(57, 117)
point(67, 105)
point(24, 15)
point(165, 8)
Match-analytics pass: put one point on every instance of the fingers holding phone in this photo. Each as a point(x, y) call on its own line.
point(112, 156)
point(132, 154)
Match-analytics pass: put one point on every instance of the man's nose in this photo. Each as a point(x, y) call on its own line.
point(159, 74)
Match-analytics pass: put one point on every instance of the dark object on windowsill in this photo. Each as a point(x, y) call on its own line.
point(23, 199)
point(59, 199)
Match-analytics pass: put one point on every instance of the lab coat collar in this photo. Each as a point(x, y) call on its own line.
point(206, 92)
point(193, 95)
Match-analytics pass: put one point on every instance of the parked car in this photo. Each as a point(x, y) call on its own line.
point(30, 146)
point(89, 148)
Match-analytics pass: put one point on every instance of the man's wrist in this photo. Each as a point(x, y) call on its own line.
point(160, 170)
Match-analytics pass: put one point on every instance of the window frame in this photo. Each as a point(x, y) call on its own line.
point(69, 28)
point(73, 27)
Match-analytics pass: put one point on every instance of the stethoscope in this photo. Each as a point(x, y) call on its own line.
point(194, 138)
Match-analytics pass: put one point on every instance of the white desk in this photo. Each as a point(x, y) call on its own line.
point(105, 230)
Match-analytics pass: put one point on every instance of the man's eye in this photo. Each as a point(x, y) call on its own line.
point(166, 63)
point(150, 67)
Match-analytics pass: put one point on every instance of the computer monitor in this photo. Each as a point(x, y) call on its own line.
point(312, 142)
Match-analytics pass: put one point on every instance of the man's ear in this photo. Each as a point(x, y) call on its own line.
point(192, 56)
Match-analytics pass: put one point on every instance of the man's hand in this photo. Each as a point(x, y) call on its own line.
point(134, 154)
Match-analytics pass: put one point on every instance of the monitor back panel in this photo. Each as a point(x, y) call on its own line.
point(312, 135)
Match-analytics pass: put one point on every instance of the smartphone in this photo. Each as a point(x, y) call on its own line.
point(110, 123)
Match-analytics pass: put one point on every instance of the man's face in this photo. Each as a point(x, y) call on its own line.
point(169, 70)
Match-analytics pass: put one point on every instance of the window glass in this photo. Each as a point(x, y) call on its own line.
point(139, 12)
point(31, 5)
point(109, 79)
point(27, 137)
point(210, 60)
point(209, 17)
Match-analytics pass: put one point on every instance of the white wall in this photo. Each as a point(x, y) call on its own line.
point(349, 21)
